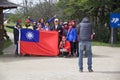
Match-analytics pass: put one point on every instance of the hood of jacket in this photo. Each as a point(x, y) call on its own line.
point(85, 20)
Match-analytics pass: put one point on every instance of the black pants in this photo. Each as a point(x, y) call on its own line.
point(64, 53)
point(16, 51)
point(72, 48)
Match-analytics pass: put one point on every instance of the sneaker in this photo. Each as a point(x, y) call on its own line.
point(90, 70)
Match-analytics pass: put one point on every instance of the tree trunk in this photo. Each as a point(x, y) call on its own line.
point(1, 30)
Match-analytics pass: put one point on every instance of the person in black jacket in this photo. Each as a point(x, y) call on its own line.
point(57, 27)
point(16, 35)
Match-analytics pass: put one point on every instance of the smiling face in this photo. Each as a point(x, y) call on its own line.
point(41, 20)
point(47, 24)
point(63, 38)
point(70, 26)
point(73, 23)
point(56, 22)
point(39, 26)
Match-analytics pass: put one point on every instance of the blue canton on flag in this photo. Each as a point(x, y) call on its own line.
point(115, 20)
point(29, 35)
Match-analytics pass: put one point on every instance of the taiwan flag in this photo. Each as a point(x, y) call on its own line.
point(36, 42)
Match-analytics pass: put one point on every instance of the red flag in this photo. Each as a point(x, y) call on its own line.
point(47, 45)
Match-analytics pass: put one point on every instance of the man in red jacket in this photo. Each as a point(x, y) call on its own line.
point(64, 47)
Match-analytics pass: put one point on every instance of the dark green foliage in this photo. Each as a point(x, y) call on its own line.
point(97, 10)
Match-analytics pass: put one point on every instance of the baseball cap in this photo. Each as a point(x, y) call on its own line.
point(27, 21)
point(65, 23)
point(56, 20)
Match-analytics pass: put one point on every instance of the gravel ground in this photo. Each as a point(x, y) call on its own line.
point(106, 66)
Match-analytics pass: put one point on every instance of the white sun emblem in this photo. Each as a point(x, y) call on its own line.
point(29, 35)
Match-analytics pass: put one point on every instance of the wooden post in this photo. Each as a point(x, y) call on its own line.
point(1, 30)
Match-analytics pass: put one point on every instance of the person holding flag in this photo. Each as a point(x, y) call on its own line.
point(16, 34)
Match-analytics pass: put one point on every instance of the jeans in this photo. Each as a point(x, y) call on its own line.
point(82, 44)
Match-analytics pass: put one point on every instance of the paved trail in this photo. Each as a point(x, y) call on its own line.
point(106, 65)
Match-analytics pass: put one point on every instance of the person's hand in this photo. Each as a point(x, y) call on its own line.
point(28, 17)
point(73, 40)
point(54, 16)
point(5, 23)
point(59, 30)
point(64, 49)
point(92, 36)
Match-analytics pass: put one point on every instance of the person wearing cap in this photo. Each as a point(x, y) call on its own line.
point(57, 27)
point(65, 28)
point(28, 24)
point(16, 34)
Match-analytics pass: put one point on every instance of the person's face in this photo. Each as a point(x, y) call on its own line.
point(27, 24)
point(41, 20)
point(56, 22)
point(69, 23)
point(19, 26)
point(63, 38)
point(39, 26)
point(47, 24)
point(65, 26)
point(73, 23)
point(34, 23)
point(70, 26)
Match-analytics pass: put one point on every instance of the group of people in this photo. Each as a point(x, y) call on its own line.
point(73, 39)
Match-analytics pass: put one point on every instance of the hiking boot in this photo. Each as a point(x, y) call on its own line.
point(81, 70)
point(90, 70)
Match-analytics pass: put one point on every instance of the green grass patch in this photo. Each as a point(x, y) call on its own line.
point(94, 43)
point(8, 29)
point(7, 43)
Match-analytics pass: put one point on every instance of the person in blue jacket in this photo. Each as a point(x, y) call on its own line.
point(71, 37)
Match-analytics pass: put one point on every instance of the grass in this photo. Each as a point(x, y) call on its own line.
point(7, 43)
point(8, 29)
point(105, 44)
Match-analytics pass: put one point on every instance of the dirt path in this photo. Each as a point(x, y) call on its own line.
point(11, 49)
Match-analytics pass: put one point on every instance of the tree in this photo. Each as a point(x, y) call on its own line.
point(98, 10)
